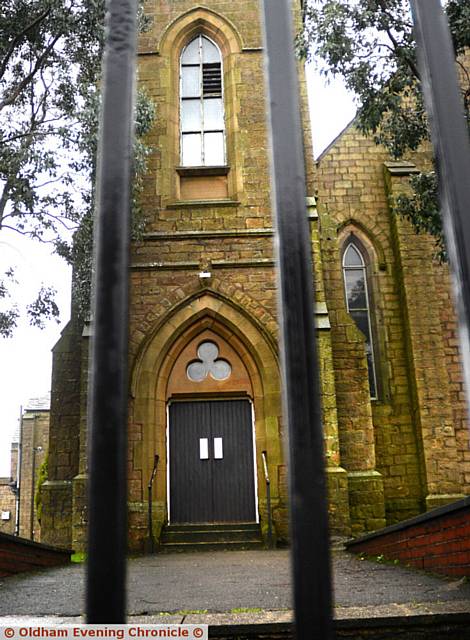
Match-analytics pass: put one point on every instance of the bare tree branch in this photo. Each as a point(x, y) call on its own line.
point(398, 48)
point(27, 79)
point(17, 39)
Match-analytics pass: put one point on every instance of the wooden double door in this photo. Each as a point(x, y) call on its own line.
point(212, 474)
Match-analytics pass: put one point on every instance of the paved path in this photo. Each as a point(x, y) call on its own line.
point(224, 582)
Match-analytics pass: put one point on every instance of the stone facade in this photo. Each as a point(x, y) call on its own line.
point(27, 456)
point(418, 422)
point(34, 443)
point(7, 506)
point(205, 267)
point(8, 494)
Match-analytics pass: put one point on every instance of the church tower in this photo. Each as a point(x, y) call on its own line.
point(205, 383)
point(205, 386)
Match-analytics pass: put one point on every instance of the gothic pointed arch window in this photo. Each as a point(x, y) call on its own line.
point(202, 122)
point(356, 263)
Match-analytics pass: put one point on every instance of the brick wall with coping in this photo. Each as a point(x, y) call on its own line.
point(437, 541)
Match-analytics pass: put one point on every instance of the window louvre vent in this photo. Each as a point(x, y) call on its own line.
point(211, 79)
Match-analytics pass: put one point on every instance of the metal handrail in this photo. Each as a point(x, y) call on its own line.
point(268, 500)
point(150, 540)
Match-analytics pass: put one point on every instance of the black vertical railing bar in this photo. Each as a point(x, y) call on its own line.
point(302, 409)
point(108, 387)
point(449, 131)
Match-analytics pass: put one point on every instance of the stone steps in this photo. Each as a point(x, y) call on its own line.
point(211, 537)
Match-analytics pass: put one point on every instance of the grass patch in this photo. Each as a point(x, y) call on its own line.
point(380, 559)
point(187, 612)
point(246, 610)
point(79, 558)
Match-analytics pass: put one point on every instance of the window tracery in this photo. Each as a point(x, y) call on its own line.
point(202, 122)
point(209, 363)
point(358, 302)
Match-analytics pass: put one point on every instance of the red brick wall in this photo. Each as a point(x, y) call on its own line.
point(437, 541)
point(18, 554)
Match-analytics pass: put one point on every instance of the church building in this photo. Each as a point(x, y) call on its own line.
point(205, 384)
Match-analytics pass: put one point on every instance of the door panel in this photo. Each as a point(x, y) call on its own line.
point(190, 477)
point(233, 475)
point(221, 487)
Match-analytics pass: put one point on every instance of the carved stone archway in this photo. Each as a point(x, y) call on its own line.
point(244, 344)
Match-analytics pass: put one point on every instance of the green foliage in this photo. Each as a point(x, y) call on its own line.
point(42, 477)
point(50, 61)
point(421, 208)
point(43, 307)
point(380, 559)
point(458, 14)
point(8, 317)
point(370, 45)
point(80, 252)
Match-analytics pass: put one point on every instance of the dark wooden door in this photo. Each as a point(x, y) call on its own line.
point(211, 462)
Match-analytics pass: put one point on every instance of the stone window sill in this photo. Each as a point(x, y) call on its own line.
point(191, 172)
point(181, 204)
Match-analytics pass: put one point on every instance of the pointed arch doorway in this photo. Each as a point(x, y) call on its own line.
point(211, 448)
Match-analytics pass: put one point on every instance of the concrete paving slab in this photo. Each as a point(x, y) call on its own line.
point(33, 621)
point(395, 609)
point(259, 617)
point(21, 621)
point(158, 619)
point(235, 583)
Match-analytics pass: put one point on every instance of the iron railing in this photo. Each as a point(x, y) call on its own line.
point(107, 413)
point(302, 408)
point(451, 143)
point(108, 406)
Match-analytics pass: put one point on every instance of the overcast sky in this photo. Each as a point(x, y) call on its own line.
point(25, 360)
